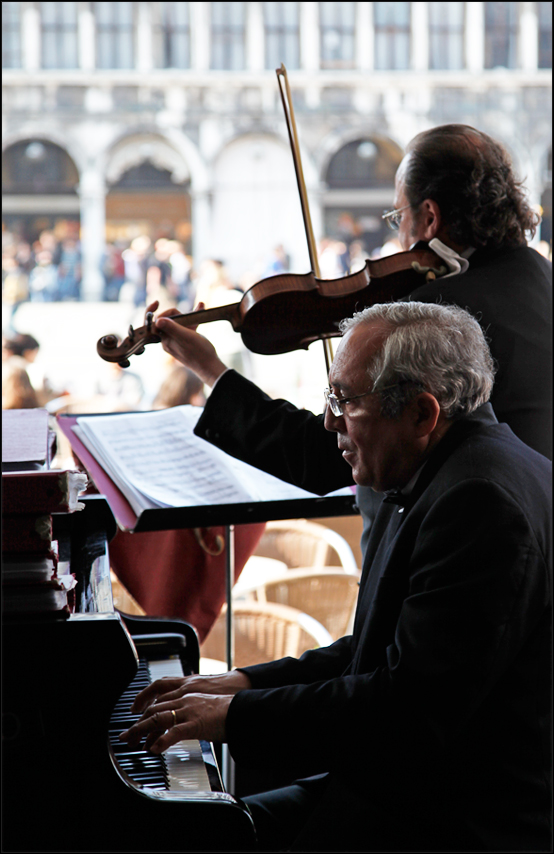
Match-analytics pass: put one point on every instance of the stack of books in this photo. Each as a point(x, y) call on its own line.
point(32, 493)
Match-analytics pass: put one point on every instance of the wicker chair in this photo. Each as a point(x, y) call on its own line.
point(300, 543)
point(263, 632)
point(327, 595)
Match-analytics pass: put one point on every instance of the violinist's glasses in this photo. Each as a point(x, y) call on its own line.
point(336, 403)
point(393, 218)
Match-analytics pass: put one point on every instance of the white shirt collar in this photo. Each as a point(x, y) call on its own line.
point(456, 263)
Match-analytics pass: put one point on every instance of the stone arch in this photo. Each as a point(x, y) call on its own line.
point(357, 171)
point(376, 157)
point(133, 150)
point(34, 164)
point(33, 131)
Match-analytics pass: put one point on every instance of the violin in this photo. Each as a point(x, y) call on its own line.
point(288, 312)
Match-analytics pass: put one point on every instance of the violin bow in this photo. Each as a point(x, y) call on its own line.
point(286, 98)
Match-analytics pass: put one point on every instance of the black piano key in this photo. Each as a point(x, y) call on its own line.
point(144, 768)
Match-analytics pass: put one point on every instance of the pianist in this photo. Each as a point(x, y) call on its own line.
point(428, 729)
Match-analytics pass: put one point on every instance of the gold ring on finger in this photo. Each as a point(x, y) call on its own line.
point(174, 717)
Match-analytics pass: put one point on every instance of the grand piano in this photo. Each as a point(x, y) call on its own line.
point(68, 684)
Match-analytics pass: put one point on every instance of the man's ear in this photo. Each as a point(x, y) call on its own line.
point(430, 219)
point(425, 412)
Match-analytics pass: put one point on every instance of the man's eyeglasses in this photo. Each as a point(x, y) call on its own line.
point(336, 403)
point(393, 218)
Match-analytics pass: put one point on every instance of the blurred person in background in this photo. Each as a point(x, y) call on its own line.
point(15, 285)
point(113, 270)
point(69, 270)
point(180, 387)
point(21, 351)
point(358, 256)
point(135, 260)
point(279, 262)
point(389, 247)
point(333, 258)
point(181, 268)
point(17, 391)
point(214, 286)
point(121, 390)
point(43, 279)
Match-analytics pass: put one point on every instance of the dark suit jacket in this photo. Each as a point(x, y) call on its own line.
point(436, 709)
point(509, 291)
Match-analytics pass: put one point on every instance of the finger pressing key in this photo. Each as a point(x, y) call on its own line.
point(152, 723)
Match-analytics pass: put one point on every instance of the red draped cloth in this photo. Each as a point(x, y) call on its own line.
point(181, 573)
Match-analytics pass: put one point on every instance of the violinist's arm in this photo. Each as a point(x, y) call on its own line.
point(272, 435)
point(188, 347)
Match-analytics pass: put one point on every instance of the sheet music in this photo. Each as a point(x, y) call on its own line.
point(157, 461)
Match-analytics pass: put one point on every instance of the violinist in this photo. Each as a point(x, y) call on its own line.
point(428, 728)
point(456, 191)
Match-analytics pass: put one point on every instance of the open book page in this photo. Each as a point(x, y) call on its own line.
point(156, 461)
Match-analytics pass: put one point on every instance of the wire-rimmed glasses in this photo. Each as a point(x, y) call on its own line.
point(393, 218)
point(335, 403)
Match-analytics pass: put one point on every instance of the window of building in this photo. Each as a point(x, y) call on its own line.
point(392, 35)
point(171, 35)
point(363, 163)
point(365, 169)
point(446, 35)
point(145, 196)
point(58, 23)
point(337, 23)
point(501, 23)
point(11, 35)
point(281, 24)
point(545, 34)
point(114, 35)
point(228, 36)
point(38, 166)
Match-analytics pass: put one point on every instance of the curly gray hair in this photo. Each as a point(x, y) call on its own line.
point(435, 348)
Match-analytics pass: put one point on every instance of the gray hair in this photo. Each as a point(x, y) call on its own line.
point(435, 348)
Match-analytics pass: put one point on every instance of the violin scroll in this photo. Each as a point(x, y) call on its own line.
point(111, 349)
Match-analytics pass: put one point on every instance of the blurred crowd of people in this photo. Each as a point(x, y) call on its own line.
point(50, 270)
point(136, 272)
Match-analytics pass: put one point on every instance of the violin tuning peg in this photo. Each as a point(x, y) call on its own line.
point(139, 352)
point(124, 363)
point(109, 341)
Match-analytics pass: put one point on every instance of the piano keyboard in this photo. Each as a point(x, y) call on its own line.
point(182, 768)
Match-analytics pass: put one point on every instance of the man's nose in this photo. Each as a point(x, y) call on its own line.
point(331, 421)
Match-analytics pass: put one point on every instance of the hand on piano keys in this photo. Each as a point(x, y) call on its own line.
point(184, 708)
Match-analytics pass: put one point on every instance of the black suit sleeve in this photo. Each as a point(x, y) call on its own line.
point(273, 435)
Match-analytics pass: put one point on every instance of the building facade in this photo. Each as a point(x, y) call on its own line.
point(166, 118)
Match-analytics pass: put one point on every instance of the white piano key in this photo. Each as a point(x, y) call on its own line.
point(185, 763)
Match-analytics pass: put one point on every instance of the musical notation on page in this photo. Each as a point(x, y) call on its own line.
point(156, 460)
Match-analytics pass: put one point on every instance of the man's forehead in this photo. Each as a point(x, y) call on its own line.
point(355, 352)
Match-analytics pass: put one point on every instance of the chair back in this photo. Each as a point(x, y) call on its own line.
point(327, 595)
point(264, 631)
point(300, 543)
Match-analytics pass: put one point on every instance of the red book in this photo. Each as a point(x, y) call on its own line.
point(42, 491)
point(27, 532)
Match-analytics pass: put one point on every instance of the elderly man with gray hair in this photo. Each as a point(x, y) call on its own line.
point(428, 728)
